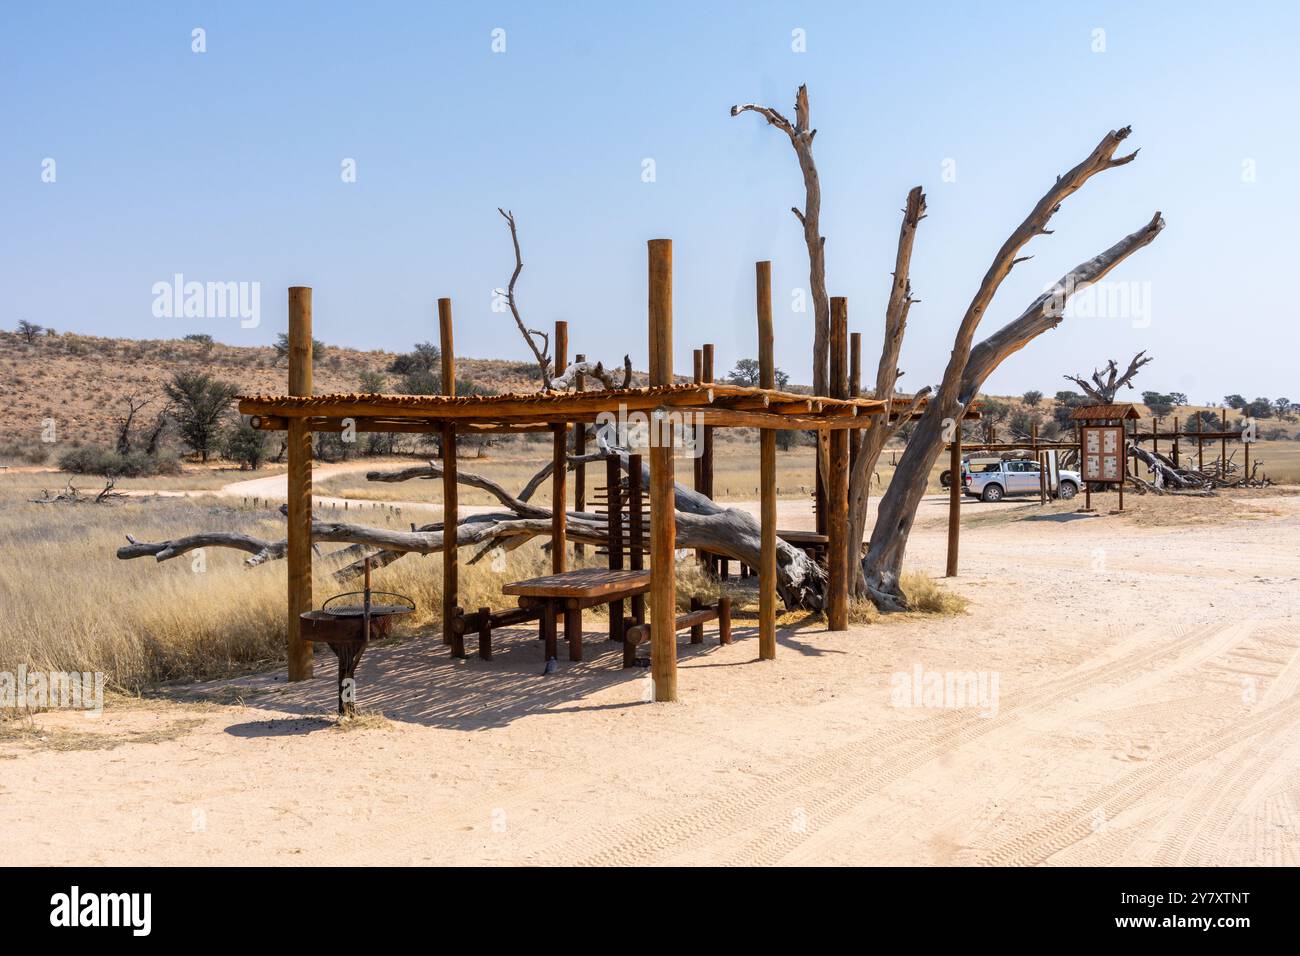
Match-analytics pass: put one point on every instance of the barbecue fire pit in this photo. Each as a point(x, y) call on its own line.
point(347, 623)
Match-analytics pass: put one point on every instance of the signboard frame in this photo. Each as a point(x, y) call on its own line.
point(1102, 457)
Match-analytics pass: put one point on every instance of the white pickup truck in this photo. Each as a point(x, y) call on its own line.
point(992, 479)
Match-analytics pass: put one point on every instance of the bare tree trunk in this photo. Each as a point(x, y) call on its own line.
point(801, 136)
point(887, 372)
point(969, 367)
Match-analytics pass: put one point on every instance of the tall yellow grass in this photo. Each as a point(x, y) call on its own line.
point(70, 604)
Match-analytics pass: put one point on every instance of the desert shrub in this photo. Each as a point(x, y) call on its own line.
point(245, 444)
point(102, 460)
point(28, 453)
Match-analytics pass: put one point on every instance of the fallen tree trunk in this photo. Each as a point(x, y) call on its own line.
point(701, 524)
point(1166, 475)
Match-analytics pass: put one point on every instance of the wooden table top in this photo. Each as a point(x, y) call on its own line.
point(580, 583)
point(802, 537)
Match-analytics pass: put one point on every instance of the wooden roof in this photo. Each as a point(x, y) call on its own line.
point(1088, 413)
point(972, 413)
point(717, 404)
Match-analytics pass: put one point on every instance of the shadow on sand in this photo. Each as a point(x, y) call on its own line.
point(414, 680)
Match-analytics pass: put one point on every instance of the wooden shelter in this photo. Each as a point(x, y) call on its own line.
point(300, 413)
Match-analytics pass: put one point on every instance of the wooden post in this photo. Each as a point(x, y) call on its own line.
point(614, 534)
point(706, 460)
point(1038, 457)
point(697, 377)
point(855, 391)
point(450, 490)
point(663, 518)
point(837, 487)
point(635, 529)
point(1200, 443)
point(579, 468)
point(1123, 468)
point(1223, 449)
point(299, 485)
point(697, 463)
point(954, 499)
point(560, 472)
point(766, 472)
point(1177, 464)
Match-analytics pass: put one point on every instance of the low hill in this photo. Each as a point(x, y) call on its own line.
point(82, 382)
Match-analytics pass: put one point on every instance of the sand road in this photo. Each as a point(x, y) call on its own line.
point(1147, 711)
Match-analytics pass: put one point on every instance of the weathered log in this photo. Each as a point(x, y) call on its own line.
point(701, 524)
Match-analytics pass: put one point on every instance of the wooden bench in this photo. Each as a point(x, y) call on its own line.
point(699, 615)
point(567, 594)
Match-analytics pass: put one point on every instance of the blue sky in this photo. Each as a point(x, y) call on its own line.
point(225, 166)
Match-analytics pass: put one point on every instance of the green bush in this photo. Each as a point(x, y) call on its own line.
point(101, 460)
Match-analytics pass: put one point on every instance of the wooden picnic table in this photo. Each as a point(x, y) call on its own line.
point(568, 593)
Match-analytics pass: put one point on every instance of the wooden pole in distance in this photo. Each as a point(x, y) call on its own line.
point(298, 442)
point(706, 370)
point(1200, 442)
point(1223, 449)
point(579, 468)
point(767, 472)
point(697, 463)
point(450, 490)
point(560, 472)
point(855, 391)
point(954, 499)
point(663, 520)
point(837, 490)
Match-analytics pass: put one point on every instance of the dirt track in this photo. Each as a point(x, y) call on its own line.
point(1147, 712)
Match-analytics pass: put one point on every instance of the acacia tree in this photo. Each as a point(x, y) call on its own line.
point(201, 403)
point(970, 364)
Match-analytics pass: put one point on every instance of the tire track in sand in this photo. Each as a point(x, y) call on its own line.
point(863, 765)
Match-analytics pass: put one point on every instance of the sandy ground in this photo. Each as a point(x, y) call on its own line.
point(1146, 712)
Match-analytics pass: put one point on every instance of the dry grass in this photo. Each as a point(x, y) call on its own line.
point(363, 720)
point(72, 605)
point(25, 731)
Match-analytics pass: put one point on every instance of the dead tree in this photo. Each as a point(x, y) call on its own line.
point(1103, 390)
point(801, 136)
point(133, 407)
point(73, 496)
point(1166, 477)
point(971, 364)
point(539, 343)
point(872, 441)
point(701, 523)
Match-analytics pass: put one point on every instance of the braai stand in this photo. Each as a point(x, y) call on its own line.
point(348, 628)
